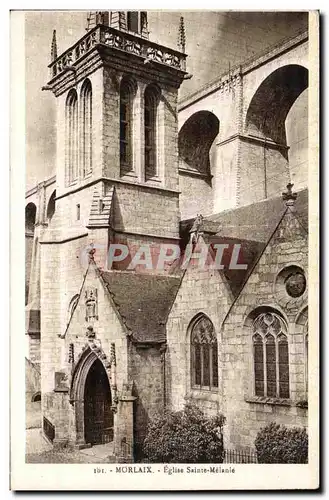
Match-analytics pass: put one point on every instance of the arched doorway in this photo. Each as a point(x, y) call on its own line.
point(98, 416)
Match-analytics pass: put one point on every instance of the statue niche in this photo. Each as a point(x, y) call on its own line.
point(91, 304)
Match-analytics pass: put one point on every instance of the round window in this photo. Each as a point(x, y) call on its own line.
point(295, 284)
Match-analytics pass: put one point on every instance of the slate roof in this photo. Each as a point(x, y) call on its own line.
point(143, 302)
point(254, 222)
point(251, 226)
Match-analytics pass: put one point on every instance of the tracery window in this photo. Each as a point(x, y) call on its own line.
point(150, 131)
point(72, 136)
point(271, 356)
point(86, 122)
point(126, 115)
point(204, 355)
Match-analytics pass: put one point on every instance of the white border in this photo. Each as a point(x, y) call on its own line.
point(61, 476)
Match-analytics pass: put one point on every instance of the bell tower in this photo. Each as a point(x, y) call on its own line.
point(117, 158)
point(116, 175)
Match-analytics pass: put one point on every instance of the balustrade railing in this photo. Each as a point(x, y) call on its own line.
point(125, 41)
point(240, 457)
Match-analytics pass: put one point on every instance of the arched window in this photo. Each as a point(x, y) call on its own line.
point(204, 355)
point(271, 356)
point(151, 100)
point(72, 137)
point(36, 397)
point(86, 125)
point(126, 118)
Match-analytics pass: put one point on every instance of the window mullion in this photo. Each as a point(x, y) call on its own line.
point(277, 372)
point(210, 347)
point(265, 367)
point(193, 365)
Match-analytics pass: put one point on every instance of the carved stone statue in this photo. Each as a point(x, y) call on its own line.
point(196, 228)
point(91, 304)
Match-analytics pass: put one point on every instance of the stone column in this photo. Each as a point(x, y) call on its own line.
point(124, 426)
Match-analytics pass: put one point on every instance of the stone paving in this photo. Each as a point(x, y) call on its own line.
point(38, 450)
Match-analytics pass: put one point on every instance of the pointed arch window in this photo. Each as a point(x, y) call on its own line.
point(72, 136)
point(86, 132)
point(151, 101)
point(271, 356)
point(126, 118)
point(204, 355)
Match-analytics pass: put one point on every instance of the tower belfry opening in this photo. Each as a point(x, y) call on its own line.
point(97, 17)
point(133, 21)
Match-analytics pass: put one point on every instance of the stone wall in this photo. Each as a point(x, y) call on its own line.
point(34, 348)
point(240, 164)
point(196, 196)
point(263, 172)
point(245, 414)
point(151, 244)
point(146, 371)
point(201, 291)
point(146, 210)
point(32, 389)
point(55, 351)
point(32, 379)
point(28, 261)
point(206, 292)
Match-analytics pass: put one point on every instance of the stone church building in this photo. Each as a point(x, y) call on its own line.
point(136, 165)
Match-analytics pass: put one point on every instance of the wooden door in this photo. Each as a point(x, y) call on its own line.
point(98, 413)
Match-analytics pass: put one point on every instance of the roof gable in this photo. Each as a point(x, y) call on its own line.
point(143, 302)
point(287, 246)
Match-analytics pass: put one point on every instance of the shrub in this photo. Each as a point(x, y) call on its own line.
point(278, 444)
point(186, 436)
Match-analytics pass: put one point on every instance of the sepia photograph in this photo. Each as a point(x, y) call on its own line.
point(168, 180)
